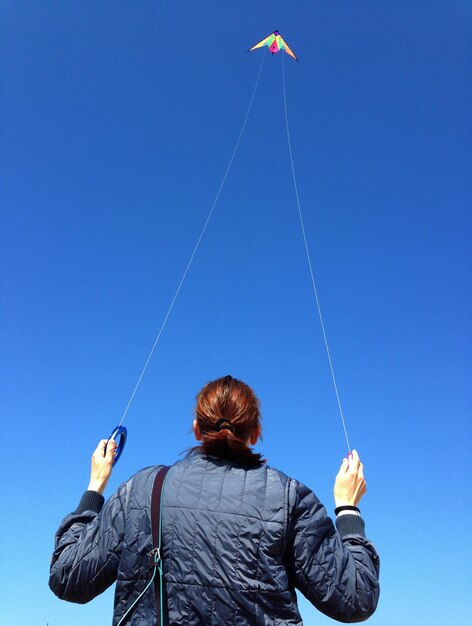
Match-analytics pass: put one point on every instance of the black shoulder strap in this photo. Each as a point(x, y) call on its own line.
point(156, 556)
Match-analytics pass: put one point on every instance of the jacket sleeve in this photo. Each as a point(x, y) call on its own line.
point(336, 570)
point(87, 548)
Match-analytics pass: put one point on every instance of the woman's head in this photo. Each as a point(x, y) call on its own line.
point(227, 420)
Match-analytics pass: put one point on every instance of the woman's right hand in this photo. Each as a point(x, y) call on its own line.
point(102, 465)
point(350, 486)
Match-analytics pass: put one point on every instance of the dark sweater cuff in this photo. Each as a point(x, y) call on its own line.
point(90, 501)
point(350, 525)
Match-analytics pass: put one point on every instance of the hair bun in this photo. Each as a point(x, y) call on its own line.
point(224, 424)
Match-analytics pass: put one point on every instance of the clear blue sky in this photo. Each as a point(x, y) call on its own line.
point(118, 120)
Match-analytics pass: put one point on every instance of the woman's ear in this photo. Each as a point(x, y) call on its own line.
point(256, 433)
point(196, 431)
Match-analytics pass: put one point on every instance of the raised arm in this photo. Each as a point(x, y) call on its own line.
point(89, 541)
point(336, 570)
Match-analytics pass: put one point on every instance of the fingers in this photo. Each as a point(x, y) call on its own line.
point(344, 467)
point(352, 464)
point(111, 450)
point(106, 449)
point(354, 461)
point(100, 449)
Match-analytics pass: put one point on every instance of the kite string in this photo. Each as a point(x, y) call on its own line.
point(315, 291)
point(184, 275)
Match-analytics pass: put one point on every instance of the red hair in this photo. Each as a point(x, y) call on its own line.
point(227, 414)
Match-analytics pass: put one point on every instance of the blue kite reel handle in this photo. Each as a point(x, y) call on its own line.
point(122, 433)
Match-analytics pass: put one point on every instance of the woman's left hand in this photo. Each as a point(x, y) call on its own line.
point(102, 464)
point(350, 485)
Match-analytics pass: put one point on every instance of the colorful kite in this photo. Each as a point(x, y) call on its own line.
point(275, 43)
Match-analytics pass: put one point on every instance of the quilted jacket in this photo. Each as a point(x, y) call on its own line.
point(238, 542)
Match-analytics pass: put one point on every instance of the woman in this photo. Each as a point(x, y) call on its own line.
point(239, 537)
